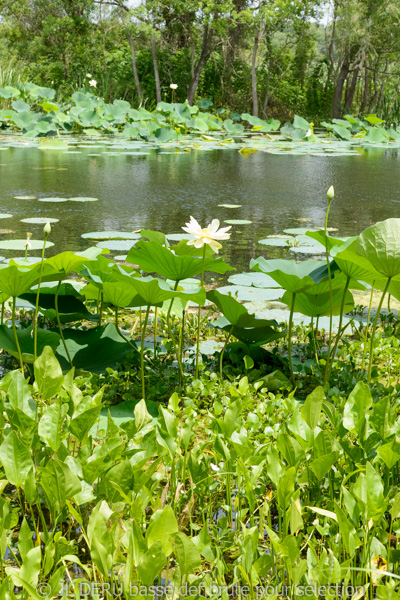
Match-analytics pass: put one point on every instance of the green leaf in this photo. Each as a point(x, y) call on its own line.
point(390, 452)
point(356, 408)
point(162, 524)
point(48, 374)
point(293, 277)
point(50, 425)
point(151, 563)
point(311, 409)
point(26, 341)
point(152, 257)
point(320, 466)
point(286, 487)
point(187, 555)
point(16, 460)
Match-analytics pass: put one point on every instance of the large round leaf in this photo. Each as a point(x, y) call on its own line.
point(293, 277)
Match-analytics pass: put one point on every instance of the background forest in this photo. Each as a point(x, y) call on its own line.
point(273, 58)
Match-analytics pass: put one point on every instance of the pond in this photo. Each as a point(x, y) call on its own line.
point(160, 189)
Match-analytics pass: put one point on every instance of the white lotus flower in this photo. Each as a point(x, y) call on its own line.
point(208, 235)
point(93, 83)
point(173, 86)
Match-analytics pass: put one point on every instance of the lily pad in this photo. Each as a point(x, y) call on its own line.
point(25, 197)
point(230, 205)
point(20, 244)
point(303, 230)
point(39, 220)
point(53, 199)
point(111, 235)
point(316, 250)
point(238, 222)
point(121, 257)
point(83, 199)
point(248, 294)
point(117, 244)
point(261, 280)
point(278, 242)
point(5, 216)
point(178, 237)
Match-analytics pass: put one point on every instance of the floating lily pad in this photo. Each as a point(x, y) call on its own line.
point(261, 280)
point(117, 244)
point(83, 199)
point(303, 230)
point(53, 199)
point(20, 244)
point(247, 294)
point(308, 249)
point(279, 242)
point(5, 216)
point(230, 205)
point(25, 197)
point(111, 235)
point(282, 316)
point(238, 222)
point(121, 257)
point(39, 220)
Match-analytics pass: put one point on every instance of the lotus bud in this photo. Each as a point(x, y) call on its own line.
point(47, 229)
point(330, 193)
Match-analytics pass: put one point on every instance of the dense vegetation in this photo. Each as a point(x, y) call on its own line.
point(272, 463)
point(272, 58)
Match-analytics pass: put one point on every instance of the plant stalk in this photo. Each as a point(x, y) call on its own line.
point(371, 348)
point(199, 316)
point(21, 362)
point(35, 319)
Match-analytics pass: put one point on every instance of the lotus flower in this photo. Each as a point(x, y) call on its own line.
point(173, 86)
point(27, 244)
point(208, 235)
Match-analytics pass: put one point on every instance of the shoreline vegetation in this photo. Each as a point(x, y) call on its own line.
point(272, 463)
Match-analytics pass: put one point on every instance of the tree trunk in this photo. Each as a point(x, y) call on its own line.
point(350, 91)
point(264, 111)
point(254, 72)
point(205, 52)
point(331, 46)
point(155, 65)
point(366, 91)
point(134, 69)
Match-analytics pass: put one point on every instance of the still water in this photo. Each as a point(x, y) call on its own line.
point(161, 190)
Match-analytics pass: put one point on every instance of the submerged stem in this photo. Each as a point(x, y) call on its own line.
point(371, 348)
point(59, 324)
point(21, 362)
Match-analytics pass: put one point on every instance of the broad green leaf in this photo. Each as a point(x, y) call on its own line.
point(311, 409)
point(152, 257)
point(162, 525)
point(187, 555)
point(48, 374)
point(293, 277)
point(16, 459)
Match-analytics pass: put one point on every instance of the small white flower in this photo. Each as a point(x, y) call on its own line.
point(88, 75)
point(315, 522)
point(93, 83)
point(214, 467)
point(208, 235)
point(173, 86)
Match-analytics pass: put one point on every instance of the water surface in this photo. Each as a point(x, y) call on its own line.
point(161, 189)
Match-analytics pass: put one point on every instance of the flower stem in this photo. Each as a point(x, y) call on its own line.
point(367, 325)
point(35, 319)
point(21, 362)
point(59, 324)
point(221, 358)
point(199, 315)
point(371, 348)
point(330, 295)
point(290, 340)
point(142, 352)
point(335, 347)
